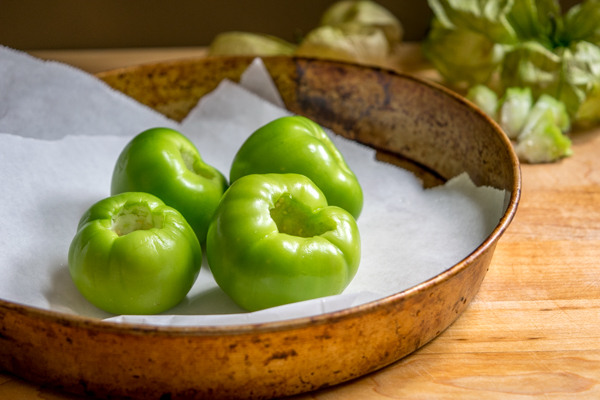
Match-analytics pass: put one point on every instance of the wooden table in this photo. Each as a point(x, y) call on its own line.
point(532, 331)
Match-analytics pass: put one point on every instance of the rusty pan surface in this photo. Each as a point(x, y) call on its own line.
point(413, 123)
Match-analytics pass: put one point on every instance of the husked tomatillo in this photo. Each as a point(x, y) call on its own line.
point(132, 254)
point(274, 240)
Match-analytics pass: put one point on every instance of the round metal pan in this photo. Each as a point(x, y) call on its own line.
point(419, 125)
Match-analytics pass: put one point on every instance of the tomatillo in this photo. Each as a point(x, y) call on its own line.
point(132, 254)
point(299, 145)
point(165, 163)
point(274, 240)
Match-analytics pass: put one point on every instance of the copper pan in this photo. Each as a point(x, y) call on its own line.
point(414, 123)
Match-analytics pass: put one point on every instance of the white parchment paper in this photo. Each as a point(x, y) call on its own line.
point(408, 234)
point(50, 100)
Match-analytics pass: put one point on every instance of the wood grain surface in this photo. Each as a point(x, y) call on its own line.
point(532, 331)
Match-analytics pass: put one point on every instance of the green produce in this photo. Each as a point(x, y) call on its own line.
point(513, 110)
point(588, 111)
point(569, 74)
point(532, 65)
point(165, 163)
point(536, 20)
point(299, 145)
point(366, 13)
point(560, 117)
point(544, 142)
point(484, 98)
point(462, 55)
point(538, 130)
point(529, 43)
point(274, 240)
point(582, 22)
point(350, 42)
point(244, 43)
point(134, 255)
point(487, 17)
point(351, 31)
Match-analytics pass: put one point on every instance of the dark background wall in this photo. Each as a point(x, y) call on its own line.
point(73, 24)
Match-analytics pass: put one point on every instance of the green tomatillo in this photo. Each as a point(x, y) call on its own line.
point(300, 146)
point(165, 163)
point(274, 240)
point(132, 254)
